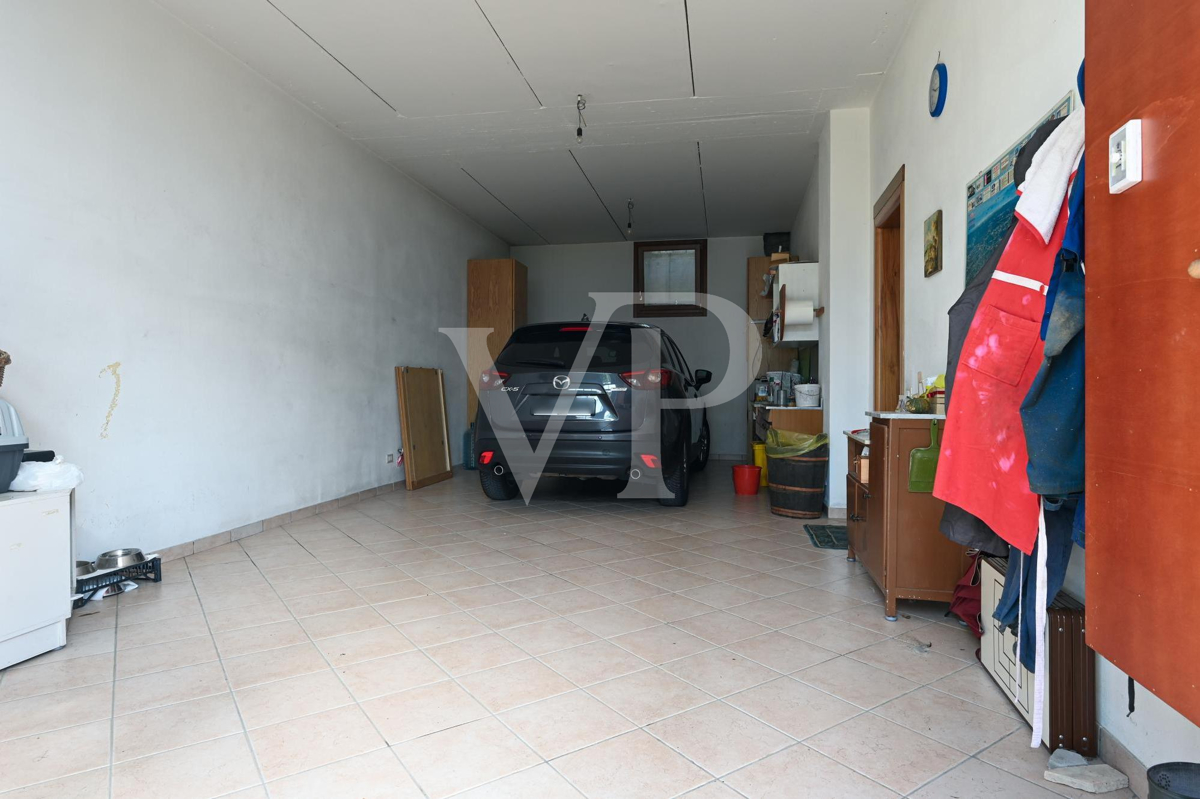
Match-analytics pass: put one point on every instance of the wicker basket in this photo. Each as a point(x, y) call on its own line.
point(5, 360)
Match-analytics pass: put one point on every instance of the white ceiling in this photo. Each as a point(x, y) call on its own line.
point(702, 111)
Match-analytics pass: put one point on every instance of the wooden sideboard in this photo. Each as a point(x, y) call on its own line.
point(892, 531)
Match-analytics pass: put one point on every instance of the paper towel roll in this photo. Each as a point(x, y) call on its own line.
point(798, 312)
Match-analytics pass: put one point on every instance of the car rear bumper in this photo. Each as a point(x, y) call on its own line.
point(571, 455)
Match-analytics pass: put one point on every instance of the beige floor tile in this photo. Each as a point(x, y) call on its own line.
point(476, 654)
point(872, 618)
point(553, 635)
point(677, 580)
point(442, 629)
point(513, 685)
point(305, 743)
point(375, 775)
point(538, 584)
point(719, 738)
point(422, 711)
point(909, 660)
point(370, 577)
point(443, 583)
point(79, 644)
point(797, 709)
point(834, 634)
point(580, 600)
point(344, 622)
point(325, 603)
point(886, 752)
point(975, 780)
point(974, 684)
point(955, 642)
point(512, 614)
point(1014, 755)
point(254, 616)
point(721, 595)
point(437, 763)
point(50, 755)
point(158, 611)
point(766, 585)
point(565, 723)
point(856, 682)
point(542, 782)
point(274, 664)
point(639, 567)
point(948, 719)
point(47, 712)
point(628, 590)
point(615, 620)
point(633, 766)
point(170, 727)
point(87, 785)
point(670, 607)
point(389, 675)
point(714, 790)
point(591, 663)
point(510, 572)
point(160, 657)
point(392, 591)
point(661, 644)
point(802, 772)
point(772, 613)
point(324, 584)
point(240, 597)
point(721, 628)
point(199, 771)
point(160, 632)
point(821, 602)
point(781, 652)
point(283, 700)
point(720, 672)
point(342, 650)
point(647, 696)
point(406, 610)
point(168, 687)
point(21, 683)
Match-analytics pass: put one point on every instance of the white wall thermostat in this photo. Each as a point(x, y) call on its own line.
point(1125, 157)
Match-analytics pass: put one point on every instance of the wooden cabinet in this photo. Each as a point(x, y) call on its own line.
point(496, 298)
point(894, 532)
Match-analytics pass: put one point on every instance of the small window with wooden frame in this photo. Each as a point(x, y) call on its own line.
point(672, 275)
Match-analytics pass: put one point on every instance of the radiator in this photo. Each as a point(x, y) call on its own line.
point(1069, 719)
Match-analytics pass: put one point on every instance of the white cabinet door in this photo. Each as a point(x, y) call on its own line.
point(35, 561)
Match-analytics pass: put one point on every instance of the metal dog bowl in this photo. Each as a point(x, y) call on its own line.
point(84, 567)
point(120, 558)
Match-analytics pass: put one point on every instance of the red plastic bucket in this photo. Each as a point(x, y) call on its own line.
point(745, 479)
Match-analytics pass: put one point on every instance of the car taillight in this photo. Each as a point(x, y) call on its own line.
point(491, 379)
point(574, 329)
point(486, 457)
point(648, 379)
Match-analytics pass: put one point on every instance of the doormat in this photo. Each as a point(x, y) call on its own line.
point(827, 536)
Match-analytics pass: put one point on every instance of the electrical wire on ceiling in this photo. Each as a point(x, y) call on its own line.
point(580, 122)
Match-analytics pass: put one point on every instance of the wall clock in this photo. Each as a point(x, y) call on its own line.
point(937, 90)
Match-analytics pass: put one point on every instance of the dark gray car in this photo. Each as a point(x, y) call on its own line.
point(609, 428)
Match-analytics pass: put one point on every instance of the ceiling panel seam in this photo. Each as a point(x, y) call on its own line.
point(687, 23)
point(331, 55)
point(703, 198)
point(602, 204)
point(506, 208)
point(510, 55)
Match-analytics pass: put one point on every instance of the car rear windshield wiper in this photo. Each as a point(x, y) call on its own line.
point(539, 362)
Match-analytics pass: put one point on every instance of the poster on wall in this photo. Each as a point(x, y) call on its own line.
point(992, 197)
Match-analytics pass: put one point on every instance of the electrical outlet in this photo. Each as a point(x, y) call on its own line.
point(1125, 157)
point(391, 458)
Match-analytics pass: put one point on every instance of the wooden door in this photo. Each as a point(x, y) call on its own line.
point(877, 502)
point(496, 298)
point(889, 295)
point(1143, 347)
point(421, 397)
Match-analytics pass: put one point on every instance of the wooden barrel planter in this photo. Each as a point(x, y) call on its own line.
point(796, 485)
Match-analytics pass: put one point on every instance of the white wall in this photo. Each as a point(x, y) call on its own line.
point(1009, 63)
point(562, 275)
point(256, 275)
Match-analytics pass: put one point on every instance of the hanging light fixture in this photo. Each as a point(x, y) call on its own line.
point(580, 122)
point(629, 224)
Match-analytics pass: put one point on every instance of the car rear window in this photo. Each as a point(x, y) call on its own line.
point(557, 348)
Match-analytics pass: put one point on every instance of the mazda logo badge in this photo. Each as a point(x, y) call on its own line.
point(562, 382)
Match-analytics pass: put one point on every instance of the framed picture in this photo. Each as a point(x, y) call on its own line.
point(933, 244)
point(992, 196)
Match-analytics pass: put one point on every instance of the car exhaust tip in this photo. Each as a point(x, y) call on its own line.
point(499, 470)
point(635, 474)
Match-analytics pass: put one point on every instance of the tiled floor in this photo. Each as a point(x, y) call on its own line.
point(437, 644)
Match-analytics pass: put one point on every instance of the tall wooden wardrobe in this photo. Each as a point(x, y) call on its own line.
point(496, 298)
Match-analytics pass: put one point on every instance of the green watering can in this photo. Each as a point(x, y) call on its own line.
point(922, 464)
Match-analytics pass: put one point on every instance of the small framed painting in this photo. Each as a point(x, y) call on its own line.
point(933, 244)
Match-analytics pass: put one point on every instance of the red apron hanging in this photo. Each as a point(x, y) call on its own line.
point(982, 468)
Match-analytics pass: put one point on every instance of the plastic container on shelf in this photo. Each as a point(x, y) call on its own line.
point(13, 443)
point(808, 395)
point(760, 460)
